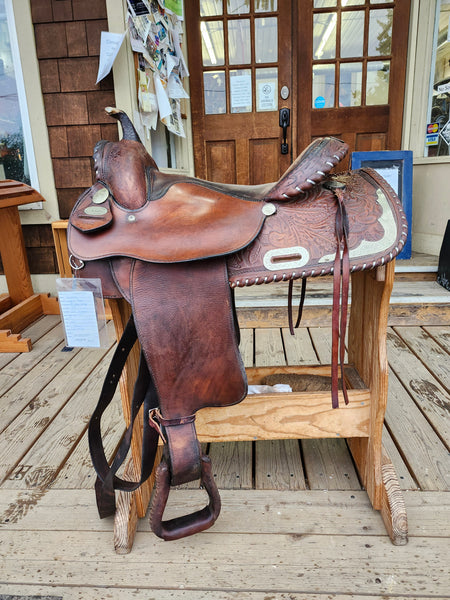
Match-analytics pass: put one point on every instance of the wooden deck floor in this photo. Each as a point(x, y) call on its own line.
point(295, 523)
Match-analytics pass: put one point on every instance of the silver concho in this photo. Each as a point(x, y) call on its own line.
point(100, 196)
point(96, 211)
point(269, 209)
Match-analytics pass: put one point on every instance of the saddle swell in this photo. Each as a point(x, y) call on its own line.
point(174, 246)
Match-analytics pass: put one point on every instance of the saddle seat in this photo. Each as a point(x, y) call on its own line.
point(135, 210)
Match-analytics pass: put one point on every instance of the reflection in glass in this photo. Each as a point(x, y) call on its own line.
point(266, 6)
point(324, 43)
point(352, 33)
point(212, 43)
point(323, 86)
point(350, 83)
point(266, 40)
point(214, 92)
point(239, 47)
point(237, 7)
point(241, 91)
point(325, 3)
point(354, 2)
point(209, 8)
point(380, 32)
point(377, 91)
point(13, 155)
point(266, 89)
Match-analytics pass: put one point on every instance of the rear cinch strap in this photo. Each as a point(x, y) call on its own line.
point(144, 393)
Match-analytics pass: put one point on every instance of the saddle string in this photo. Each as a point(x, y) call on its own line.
point(341, 281)
point(300, 306)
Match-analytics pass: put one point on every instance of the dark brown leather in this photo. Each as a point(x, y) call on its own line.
point(309, 223)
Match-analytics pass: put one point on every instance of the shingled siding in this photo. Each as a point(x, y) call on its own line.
point(67, 34)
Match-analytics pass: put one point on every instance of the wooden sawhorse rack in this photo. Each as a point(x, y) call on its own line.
point(21, 306)
point(310, 413)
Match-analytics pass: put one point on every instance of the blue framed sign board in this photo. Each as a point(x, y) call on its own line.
point(396, 167)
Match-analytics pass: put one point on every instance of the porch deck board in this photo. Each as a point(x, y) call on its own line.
point(295, 522)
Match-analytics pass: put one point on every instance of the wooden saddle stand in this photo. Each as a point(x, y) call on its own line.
point(174, 248)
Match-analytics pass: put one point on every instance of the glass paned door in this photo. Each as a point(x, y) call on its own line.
point(352, 41)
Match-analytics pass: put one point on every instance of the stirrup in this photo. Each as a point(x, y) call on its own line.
point(174, 529)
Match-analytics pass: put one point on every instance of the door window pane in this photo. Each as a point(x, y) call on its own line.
point(352, 33)
point(238, 7)
point(212, 43)
point(323, 86)
point(325, 3)
point(380, 32)
point(324, 32)
point(214, 92)
point(377, 91)
point(239, 47)
point(241, 91)
point(266, 6)
point(266, 89)
point(209, 8)
point(354, 2)
point(266, 40)
point(350, 83)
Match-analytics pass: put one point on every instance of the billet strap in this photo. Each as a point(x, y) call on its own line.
point(144, 394)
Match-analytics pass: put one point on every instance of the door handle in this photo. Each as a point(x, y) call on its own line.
point(285, 120)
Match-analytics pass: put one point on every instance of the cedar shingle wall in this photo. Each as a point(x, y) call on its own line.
point(67, 34)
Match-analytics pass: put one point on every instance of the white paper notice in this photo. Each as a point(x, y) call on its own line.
point(109, 47)
point(241, 91)
point(80, 319)
point(163, 101)
point(266, 96)
point(390, 174)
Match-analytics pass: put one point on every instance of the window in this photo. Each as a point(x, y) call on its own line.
point(16, 148)
point(437, 137)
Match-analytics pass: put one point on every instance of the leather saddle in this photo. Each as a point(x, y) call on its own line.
point(175, 247)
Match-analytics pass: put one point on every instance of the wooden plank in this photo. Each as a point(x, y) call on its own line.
point(18, 437)
point(278, 465)
point(435, 358)
point(34, 332)
point(423, 451)
point(299, 348)
point(314, 559)
point(404, 476)
point(246, 347)
point(342, 513)
point(441, 335)
point(232, 464)
point(269, 347)
point(40, 465)
point(93, 593)
point(29, 386)
point(329, 466)
point(427, 392)
point(23, 314)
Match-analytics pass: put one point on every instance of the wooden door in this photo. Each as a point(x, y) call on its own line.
point(342, 63)
point(352, 64)
point(240, 58)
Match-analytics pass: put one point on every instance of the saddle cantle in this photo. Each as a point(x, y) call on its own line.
point(174, 247)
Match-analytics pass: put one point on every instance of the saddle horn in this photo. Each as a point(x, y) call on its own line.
point(129, 132)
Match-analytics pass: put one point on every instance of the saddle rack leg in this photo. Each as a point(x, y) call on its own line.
point(371, 292)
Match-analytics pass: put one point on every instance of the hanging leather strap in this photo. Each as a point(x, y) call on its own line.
point(341, 280)
point(144, 394)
